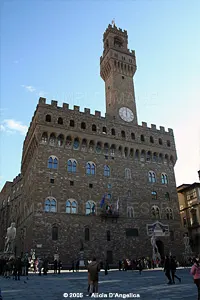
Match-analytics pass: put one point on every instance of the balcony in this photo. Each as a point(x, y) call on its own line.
point(109, 215)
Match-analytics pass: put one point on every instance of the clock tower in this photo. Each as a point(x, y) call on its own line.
point(117, 68)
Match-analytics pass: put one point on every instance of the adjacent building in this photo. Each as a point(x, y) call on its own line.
point(101, 183)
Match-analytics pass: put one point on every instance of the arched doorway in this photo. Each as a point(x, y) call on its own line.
point(160, 246)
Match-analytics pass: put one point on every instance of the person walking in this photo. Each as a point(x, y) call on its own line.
point(59, 266)
point(93, 270)
point(195, 271)
point(173, 266)
point(55, 267)
point(167, 269)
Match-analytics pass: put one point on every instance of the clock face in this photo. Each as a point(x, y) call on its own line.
point(126, 114)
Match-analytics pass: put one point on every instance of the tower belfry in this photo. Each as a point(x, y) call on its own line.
point(117, 68)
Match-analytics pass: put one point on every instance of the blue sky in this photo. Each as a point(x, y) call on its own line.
point(52, 49)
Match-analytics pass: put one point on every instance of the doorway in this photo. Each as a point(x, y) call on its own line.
point(109, 257)
point(160, 246)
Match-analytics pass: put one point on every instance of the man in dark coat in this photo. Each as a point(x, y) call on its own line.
point(173, 266)
point(94, 269)
point(167, 269)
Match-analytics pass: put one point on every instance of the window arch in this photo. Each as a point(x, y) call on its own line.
point(160, 141)
point(87, 234)
point(142, 138)
point(106, 171)
point(152, 177)
point(143, 155)
point(131, 154)
point(155, 212)
point(168, 143)
point(130, 212)
point(50, 205)
point(99, 147)
point(167, 197)
point(127, 173)
point(52, 139)
point(84, 143)
point(71, 206)
point(90, 168)
point(133, 136)
point(154, 195)
point(44, 137)
point(160, 159)
point(71, 123)
point(125, 151)
point(76, 143)
point(90, 207)
point(137, 154)
point(71, 165)
point(104, 129)
point(148, 156)
point(68, 141)
point(112, 150)
point(83, 125)
point(123, 134)
point(151, 140)
point(164, 178)
point(113, 131)
point(94, 127)
point(60, 140)
point(108, 235)
point(52, 162)
point(169, 213)
point(48, 118)
point(60, 121)
point(54, 233)
point(155, 157)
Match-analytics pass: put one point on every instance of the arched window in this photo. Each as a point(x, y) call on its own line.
point(143, 155)
point(169, 213)
point(168, 144)
point(94, 127)
point(151, 140)
point(48, 118)
point(71, 165)
point(142, 138)
point(52, 139)
point(71, 123)
point(87, 234)
point(83, 125)
point(155, 211)
point(127, 173)
point(60, 140)
point(155, 157)
point(90, 168)
point(112, 150)
point(71, 206)
point(123, 135)
point(152, 177)
point(50, 205)
point(149, 156)
point(131, 152)
point(99, 147)
point(104, 130)
point(154, 195)
point(106, 148)
point(164, 178)
point(76, 143)
point(137, 155)
point(108, 235)
point(60, 121)
point(106, 171)
point(54, 233)
point(44, 138)
point(84, 143)
point(52, 162)
point(130, 212)
point(90, 207)
point(172, 159)
point(133, 136)
point(125, 151)
point(160, 141)
point(160, 160)
point(167, 197)
point(68, 141)
point(113, 131)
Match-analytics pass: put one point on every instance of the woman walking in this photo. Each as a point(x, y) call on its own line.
point(195, 271)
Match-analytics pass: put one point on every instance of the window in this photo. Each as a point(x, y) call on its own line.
point(48, 118)
point(152, 177)
point(68, 141)
point(113, 131)
point(60, 121)
point(44, 138)
point(155, 211)
point(148, 158)
point(106, 171)
point(76, 143)
point(109, 186)
point(142, 138)
point(160, 158)
point(112, 150)
point(108, 235)
point(52, 162)
point(155, 157)
point(104, 130)
point(130, 212)
point(143, 155)
point(123, 135)
point(52, 139)
point(50, 205)
point(90, 208)
point(109, 196)
point(87, 234)
point(137, 154)
point(131, 152)
point(90, 168)
point(133, 136)
point(83, 125)
point(51, 180)
point(132, 232)
point(167, 196)
point(90, 185)
point(94, 127)
point(168, 144)
point(154, 195)
point(60, 140)
point(71, 183)
point(127, 173)
point(151, 140)
point(54, 233)
point(71, 123)
point(160, 141)
point(71, 206)
point(169, 213)
point(125, 151)
point(164, 179)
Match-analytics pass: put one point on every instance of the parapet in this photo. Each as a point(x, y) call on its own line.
point(17, 178)
point(154, 128)
point(115, 30)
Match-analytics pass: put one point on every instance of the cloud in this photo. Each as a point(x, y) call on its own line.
point(29, 88)
point(12, 126)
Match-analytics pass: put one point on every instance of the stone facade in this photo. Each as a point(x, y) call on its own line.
point(74, 157)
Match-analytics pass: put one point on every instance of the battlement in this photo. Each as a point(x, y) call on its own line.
point(115, 30)
point(17, 178)
point(154, 128)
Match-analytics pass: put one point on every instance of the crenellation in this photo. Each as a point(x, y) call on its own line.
point(42, 100)
point(65, 106)
point(97, 113)
point(87, 111)
point(162, 129)
point(170, 131)
point(144, 124)
point(54, 103)
point(76, 108)
point(153, 126)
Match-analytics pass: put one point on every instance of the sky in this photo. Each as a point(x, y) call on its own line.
point(52, 49)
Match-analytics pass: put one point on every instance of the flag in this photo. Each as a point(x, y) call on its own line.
point(102, 201)
point(118, 204)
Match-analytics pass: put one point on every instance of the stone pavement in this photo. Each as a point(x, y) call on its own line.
point(151, 285)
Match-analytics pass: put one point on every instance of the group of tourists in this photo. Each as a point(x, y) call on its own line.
point(14, 267)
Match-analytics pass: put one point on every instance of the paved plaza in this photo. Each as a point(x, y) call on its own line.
point(151, 285)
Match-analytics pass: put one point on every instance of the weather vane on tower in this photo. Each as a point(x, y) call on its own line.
point(113, 22)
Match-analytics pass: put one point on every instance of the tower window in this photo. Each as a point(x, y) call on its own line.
point(83, 125)
point(168, 144)
point(94, 127)
point(151, 140)
point(60, 121)
point(113, 131)
point(90, 185)
point(142, 138)
point(71, 183)
point(133, 136)
point(104, 130)
point(123, 134)
point(71, 123)
point(160, 141)
point(122, 77)
point(48, 118)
